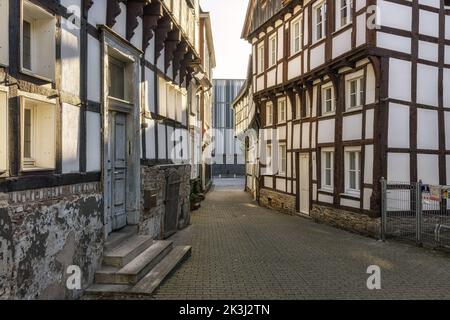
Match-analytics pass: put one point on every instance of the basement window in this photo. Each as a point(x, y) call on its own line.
point(3, 132)
point(38, 42)
point(38, 134)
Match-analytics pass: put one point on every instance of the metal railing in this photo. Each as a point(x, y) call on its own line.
point(417, 212)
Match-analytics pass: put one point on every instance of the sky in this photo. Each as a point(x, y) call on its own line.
point(232, 53)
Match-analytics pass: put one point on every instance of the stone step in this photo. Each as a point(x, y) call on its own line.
point(153, 279)
point(117, 237)
point(99, 291)
point(126, 251)
point(137, 268)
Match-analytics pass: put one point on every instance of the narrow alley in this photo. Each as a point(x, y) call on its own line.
point(242, 251)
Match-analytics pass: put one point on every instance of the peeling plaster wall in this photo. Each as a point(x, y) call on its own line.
point(154, 181)
point(44, 231)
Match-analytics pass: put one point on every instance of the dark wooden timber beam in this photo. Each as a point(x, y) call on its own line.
point(165, 25)
point(135, 9)
point(152, 14)
point(179, 54)
point(172, 41)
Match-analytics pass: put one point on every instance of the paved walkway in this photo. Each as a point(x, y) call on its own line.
point(242, 251)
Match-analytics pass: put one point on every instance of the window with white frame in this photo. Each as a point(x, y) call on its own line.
point(38, 33)
point(38, 134)
point(296, 35)
point(328, 102)
point(282, 159)
point(327, 163)
point(273, 50)
point(282, 110)
point(343, 13)
point(352, 170)
point(3, 132)
point(261, 61)
point(319, 20)
point(355, 92)
point(269, 113)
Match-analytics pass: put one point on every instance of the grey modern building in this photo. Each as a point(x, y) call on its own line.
point(228, 156)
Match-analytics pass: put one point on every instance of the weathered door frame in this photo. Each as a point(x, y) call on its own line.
point(110, 41)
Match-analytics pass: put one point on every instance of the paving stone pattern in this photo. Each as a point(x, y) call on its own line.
point(242, 251)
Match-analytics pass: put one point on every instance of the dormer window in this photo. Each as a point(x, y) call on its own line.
point(38, 41)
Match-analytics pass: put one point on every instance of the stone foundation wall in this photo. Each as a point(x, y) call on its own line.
point(153, 196)
point(44, 231)
point(276, 200)
point(346, 220)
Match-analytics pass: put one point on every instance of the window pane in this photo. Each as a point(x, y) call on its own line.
point(26, 45)
point(352, 180)
point(328, 177)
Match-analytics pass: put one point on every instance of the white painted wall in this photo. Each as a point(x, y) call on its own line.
point(352, 127)
point(427, 85)
point(97, 13)
point(428, 23)
point(71, 138)
point(326, 131)
point(368, 164)
point(369, 123)
point(427, 129)
point(428, 51)
point(360, 29)
point(428, 168)
point(137, 37)
point(398, 126)
point(150, 139)
point(393, 42)
point(70, 58)
point(400, 79)
point(395, 15)
point(446, 85)
point(398, 167)
point(121, 21)
point(93, 143)
point(94, 70)
point(342, 43)
point(317, 56)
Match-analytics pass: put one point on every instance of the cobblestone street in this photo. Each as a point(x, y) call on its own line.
point(242, 251)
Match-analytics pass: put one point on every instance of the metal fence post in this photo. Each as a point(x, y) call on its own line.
point(419, 212)
point(383, 208)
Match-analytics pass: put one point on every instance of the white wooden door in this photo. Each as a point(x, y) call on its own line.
point(304, 183)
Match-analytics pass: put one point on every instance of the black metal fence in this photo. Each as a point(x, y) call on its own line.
point(417, 212)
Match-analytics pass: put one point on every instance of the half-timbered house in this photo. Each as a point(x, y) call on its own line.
point(246, 129)
point(95, 161)
point(348, 92)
